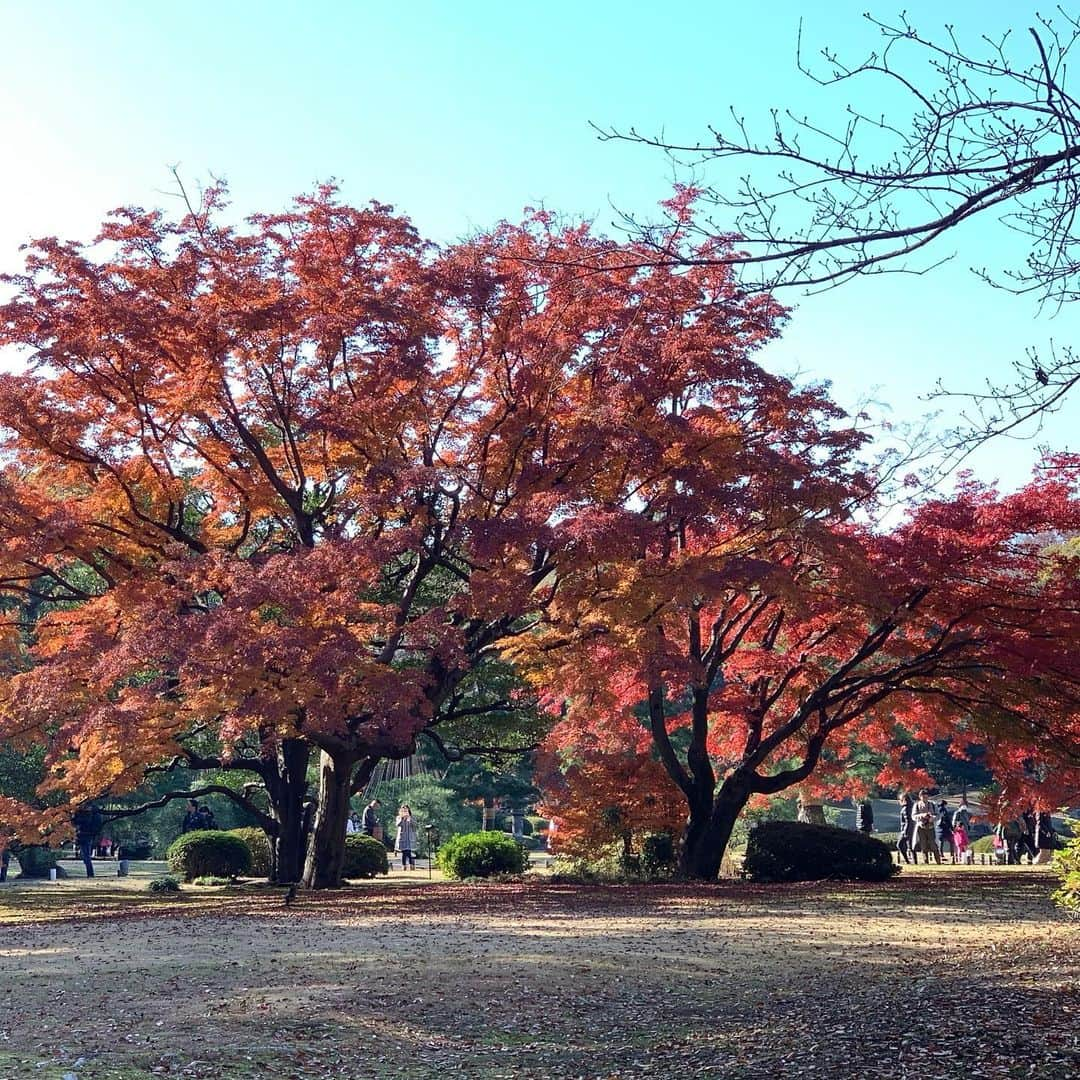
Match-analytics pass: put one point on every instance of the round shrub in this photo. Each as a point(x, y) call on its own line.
point(36, 860)
point(795, 851)
point(208, 853)
point(482, 854)
point(364, 857)
point(658, 856)
point(258, 844)
point(136, 847)
point(163, 885)
point(984, 845)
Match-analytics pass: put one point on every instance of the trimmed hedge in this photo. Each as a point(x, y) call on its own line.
point(364, 857)
point(482, 854)
point(209, 853)
point(795, 851)
point(258, 844)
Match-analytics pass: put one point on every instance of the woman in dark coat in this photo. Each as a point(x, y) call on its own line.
point(907, 826)
point(1044, 836)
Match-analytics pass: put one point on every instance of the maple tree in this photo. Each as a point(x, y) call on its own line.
point(284, 486)
point(770, 671)
point(602, 784)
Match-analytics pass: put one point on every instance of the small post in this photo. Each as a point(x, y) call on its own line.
point(431, 834)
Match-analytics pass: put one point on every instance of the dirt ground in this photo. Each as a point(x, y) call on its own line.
point(969, 974)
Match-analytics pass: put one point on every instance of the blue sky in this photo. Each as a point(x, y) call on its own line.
point(462, 113)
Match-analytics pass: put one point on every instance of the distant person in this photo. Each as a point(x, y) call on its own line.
point(907, 827)
point(1045, 837)
point(405, 841)
point(205, 818)
point(925, 815)
point(945, 829)
point(1008, 835)
point(959, 839)
point(1026, 842)
point(864, 817)
point(191, 818)
point(353, 826)
point(5, 860)
point(963, 814)
point(372, 826)
point(87, 821)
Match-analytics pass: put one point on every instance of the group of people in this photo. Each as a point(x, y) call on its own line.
point(405, 836)
point(935, 829)
point(1030, 834)
point(197, 817)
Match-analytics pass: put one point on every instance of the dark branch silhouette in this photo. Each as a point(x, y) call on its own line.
point(989, 130)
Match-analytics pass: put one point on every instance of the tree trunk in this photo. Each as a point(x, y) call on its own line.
point(287, 791)
point(709, 830)
point(326, 849)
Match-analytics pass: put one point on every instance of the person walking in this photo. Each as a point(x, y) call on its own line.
point(405, 841)
point(1008, 835)
point(945, 830)
point(864, 817)
point(5, 859)
point(925, 815)
point(907, 827)
point(87, 821)
point(1026, 843)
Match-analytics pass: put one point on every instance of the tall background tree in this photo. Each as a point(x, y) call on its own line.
point(934, 130)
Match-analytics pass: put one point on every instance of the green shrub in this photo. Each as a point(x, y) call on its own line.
point(794, 851)
point(365, 857)
point(258, 844)
point(210, 879)
point(136, 847)
point(35, 861)
point(984, 845)
point(658, 855)
point(1067, 864)
point(887, 838)
point(209, 853)
point(163, 885)
point(481, 855)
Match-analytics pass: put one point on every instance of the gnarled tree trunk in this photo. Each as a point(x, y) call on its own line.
point(286, 788)
point(326, 848)
point(708, 831)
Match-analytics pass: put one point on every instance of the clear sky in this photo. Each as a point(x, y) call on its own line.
point(463, 112)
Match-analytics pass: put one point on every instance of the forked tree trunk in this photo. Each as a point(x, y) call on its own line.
point(708, 832)
point(326, 848)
